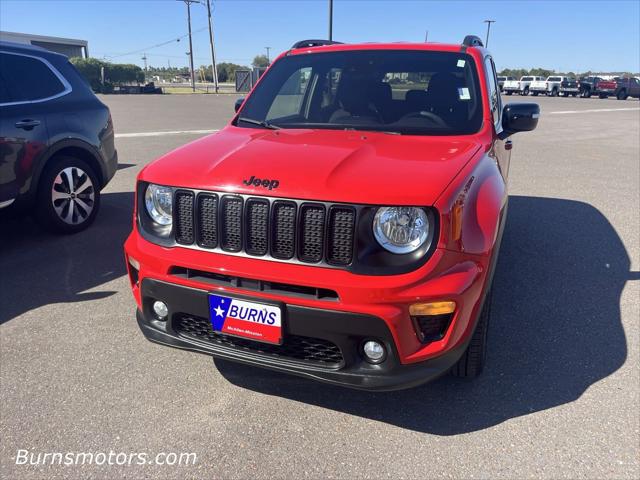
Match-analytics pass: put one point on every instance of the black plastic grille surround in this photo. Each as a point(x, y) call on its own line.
point(207, 220)
point(320, 352)
point(312, 233)
point(341, 221)
point(231, 223)
point(286, 230)
point(184, 217)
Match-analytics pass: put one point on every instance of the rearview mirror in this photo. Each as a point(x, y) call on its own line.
point(239, 103)
point(519, 117)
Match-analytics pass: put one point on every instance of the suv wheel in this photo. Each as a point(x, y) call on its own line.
point(474, 358)
point(526, 91)
point(587, 93)
point(68, 196)
point(622, 94)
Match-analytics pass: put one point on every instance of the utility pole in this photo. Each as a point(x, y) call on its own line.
point(268, 59)
point(190, 52)
point(488, 22)
point(144, 58)
point(330, 20)
point(214, 68)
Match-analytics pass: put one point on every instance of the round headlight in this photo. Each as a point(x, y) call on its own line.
point(158, 200)
point(401, 229)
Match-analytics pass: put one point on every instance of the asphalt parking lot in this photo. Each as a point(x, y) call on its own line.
point(560, 397)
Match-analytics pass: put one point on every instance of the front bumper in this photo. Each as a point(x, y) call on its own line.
point(366, 307)
point(345, 330)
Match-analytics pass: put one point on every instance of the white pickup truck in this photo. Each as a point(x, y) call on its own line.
point(550, 86)
point(521, 86)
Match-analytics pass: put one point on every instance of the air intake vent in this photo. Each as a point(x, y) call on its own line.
point(257, 226)
point(284, 230)
point(231, 223)
point(207, 220)
point(184, 217)
point(341, 227)
point(311, 233)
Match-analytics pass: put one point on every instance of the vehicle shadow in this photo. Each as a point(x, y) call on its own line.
point(555, 330)
point(38, 268)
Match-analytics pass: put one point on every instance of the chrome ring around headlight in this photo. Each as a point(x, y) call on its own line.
point(158, 201)
point(401, 229)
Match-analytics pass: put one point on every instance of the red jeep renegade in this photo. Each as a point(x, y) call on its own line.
point(344, 226)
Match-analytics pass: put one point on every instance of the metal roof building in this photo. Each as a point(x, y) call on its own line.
point(70, 47)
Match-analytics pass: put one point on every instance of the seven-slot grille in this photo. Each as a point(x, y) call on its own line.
point(282, 229)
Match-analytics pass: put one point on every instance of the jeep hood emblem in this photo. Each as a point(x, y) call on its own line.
point(261, 182)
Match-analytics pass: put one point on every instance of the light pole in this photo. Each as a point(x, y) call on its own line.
point(488, 22)
point(214, 68)
point(330, 20)
point(190, 53)
point(268, 59)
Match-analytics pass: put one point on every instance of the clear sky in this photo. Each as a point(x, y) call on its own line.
point(576, 35)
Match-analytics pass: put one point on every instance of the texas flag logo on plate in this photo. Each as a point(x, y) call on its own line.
point(255, 321)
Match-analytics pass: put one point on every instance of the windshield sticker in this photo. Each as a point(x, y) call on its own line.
point(463, 93)
point(461, 63)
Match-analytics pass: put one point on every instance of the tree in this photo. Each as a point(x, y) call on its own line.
point(227, 71)
point(91, 70)
point(260, 61)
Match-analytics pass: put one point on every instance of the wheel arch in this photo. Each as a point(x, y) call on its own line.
point(76, 148)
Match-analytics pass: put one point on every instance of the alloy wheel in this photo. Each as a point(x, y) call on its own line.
point(73, 195)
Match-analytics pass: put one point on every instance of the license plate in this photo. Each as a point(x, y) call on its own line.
point(242, 318)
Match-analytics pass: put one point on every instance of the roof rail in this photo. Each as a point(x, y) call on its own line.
point(312, 43)
point(472, 41)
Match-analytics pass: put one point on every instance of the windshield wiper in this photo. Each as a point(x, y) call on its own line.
point(261, 123)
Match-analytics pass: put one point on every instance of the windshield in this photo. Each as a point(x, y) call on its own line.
point(396, 91)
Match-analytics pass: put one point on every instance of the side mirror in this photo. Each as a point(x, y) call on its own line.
point(519, 117)
point(239, 103)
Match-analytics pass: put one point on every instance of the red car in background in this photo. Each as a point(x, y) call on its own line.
point(344, 226)
point(605, 88)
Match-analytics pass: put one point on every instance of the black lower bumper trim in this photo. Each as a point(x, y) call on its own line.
point(344, 330)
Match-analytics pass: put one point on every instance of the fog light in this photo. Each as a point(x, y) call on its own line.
point(161, 310)
point(374, 351)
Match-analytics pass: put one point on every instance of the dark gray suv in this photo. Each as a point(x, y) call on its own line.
point(57, 147)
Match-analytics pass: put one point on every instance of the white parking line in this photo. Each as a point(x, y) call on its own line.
point(162, 134)
point(594, 110)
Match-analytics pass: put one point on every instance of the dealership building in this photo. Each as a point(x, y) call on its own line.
point(70, 47)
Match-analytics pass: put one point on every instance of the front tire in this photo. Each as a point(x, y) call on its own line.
point(603, 96)
point(535, 94)
point(622, 95)
point(473, 360)
point(525, 92)
point(68, 197)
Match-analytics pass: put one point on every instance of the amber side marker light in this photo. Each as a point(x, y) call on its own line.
point(431, 308)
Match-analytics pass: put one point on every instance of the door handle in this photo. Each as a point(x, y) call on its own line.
point(27, 124)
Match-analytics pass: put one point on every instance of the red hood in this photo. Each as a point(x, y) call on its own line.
point(325, 165)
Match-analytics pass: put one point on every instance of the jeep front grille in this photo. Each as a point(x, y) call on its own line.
point(285, 230)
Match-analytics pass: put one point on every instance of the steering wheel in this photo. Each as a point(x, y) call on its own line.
point(428, 116)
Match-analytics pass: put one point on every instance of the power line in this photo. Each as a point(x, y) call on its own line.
point(162, 44)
